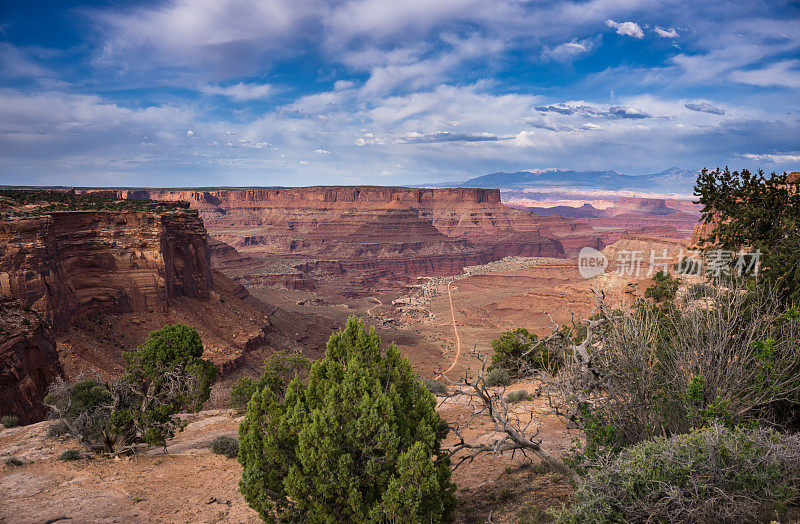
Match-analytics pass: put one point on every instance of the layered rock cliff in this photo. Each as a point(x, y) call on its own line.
point(404, 230)
point(28, 361)
point(67, 264)
point(61, 266)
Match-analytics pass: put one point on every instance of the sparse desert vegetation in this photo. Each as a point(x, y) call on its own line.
point(225, 446)
point(164, 376)
point(9, 421)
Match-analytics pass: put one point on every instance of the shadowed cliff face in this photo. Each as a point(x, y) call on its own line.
point(59, 267)
point(28, 362)
point(68, 264)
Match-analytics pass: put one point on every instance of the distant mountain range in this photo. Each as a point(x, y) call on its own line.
point(672, 180)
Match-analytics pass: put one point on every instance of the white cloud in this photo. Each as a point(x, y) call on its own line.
point(16, 63)
point(666, 33)
point(567, 51)
point(322, 151)
point(631, 29)
point(775, 158)
point(785, 73)
point(240, 92)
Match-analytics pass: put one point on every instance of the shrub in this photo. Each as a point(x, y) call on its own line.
point(225, 446)
point(13, 461)
point(241, 392)
point(518, 396)
point(162, 377)
point(359, 440)
point(698, 291)
point(434, 386)
point(668, 368)
point(664, 287)
point(713, 474)
point(497, 378)
point(9, 421)
point(520, 352)
point(71, 454)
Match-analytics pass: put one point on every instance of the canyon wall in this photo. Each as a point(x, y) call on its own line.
point(28, 361)
point(409, 231)
point(67, 264)
point(61, 266)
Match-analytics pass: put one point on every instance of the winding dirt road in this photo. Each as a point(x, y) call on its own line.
point(455, 329)
point(379, 303)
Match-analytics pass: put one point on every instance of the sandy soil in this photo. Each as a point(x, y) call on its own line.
point(188, 483)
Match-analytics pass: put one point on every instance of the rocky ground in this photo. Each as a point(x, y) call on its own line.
point(188, 483)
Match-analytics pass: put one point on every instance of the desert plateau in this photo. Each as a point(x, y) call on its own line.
point(365, 261)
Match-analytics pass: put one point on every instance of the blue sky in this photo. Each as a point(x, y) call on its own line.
point(300, 92)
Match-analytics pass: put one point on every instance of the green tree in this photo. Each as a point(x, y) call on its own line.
point(164, 376)
point(167, 375)
point(757, 213)
point(358, 441)
point(241, 392)
point(520, 351)
point(664, 287)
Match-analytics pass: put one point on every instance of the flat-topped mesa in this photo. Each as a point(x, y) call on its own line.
point(409, 230)
point(650, 206)
point(68, 264)
point(317, 197)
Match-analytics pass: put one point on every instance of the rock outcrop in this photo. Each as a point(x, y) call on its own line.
point(61, 266)
point(67, 264)
point(28, 361)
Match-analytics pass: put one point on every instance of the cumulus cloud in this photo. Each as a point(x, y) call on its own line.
point(566, 109)
point(666, 33)
point(240, 92)
point(631, 29)
point(628, 112)
point(448, 136)
point(55, 125)
point(705, 107)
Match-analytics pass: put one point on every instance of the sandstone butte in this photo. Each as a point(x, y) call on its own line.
point(654, 216)
point(58, 267)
